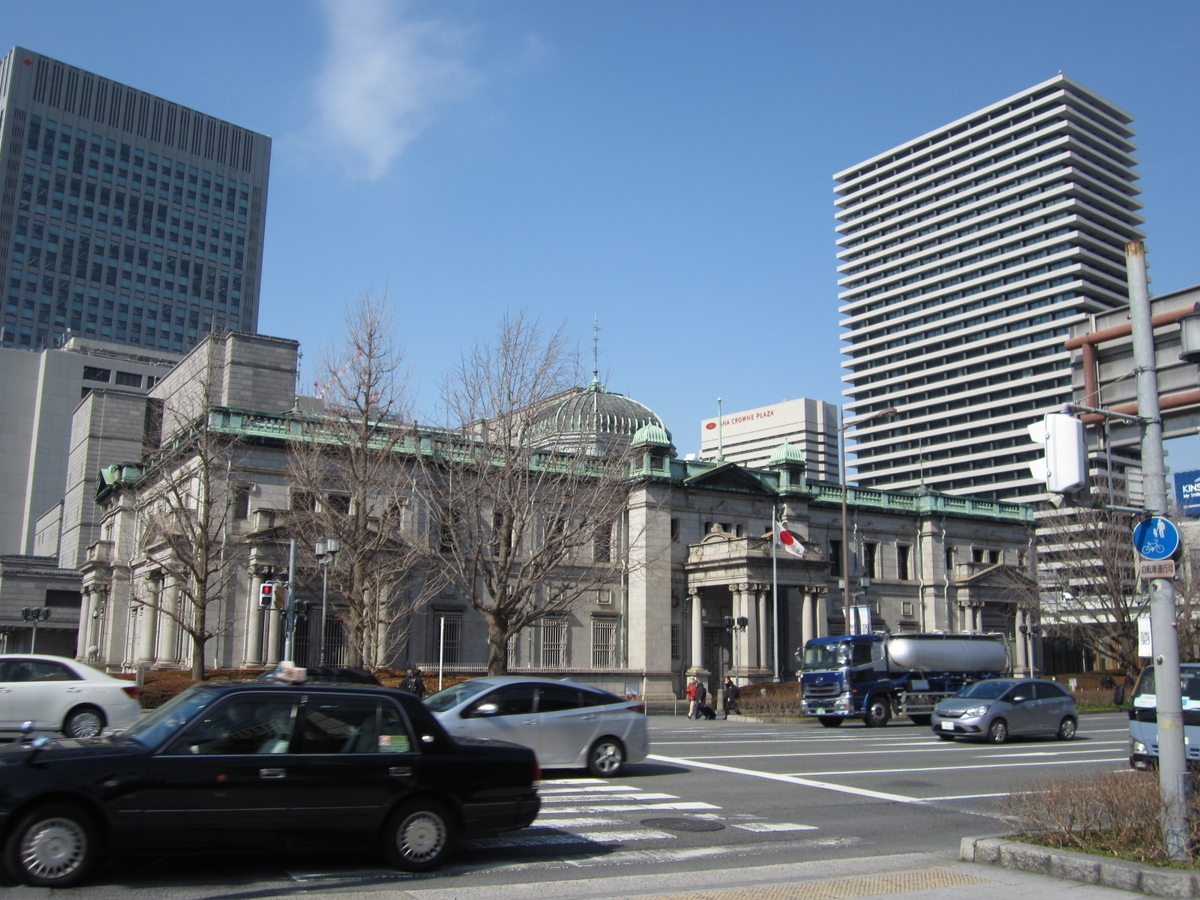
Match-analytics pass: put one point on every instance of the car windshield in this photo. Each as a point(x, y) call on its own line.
point(453, 696)
point(157, 726)
point(985, 690)
point(1144, 695)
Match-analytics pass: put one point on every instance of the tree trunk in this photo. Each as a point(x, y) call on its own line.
point(497, 646)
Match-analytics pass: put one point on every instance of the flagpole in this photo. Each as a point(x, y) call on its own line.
point(775, 589)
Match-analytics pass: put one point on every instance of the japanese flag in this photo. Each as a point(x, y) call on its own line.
point(788, 541)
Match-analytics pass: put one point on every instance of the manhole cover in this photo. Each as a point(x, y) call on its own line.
point(683, 824)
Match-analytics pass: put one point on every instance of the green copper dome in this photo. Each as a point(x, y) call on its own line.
point(591, 419)
point(787, 454)
point(654, 435)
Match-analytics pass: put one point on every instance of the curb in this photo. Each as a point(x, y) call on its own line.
point(1072, 866)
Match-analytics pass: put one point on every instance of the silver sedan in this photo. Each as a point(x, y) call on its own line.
point(996, 709)
point(568, 725)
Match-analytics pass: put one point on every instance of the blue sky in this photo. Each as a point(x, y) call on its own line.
point(665, 167)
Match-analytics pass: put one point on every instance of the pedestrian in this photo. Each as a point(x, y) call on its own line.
point(413, 682)
point(696, 693)
point(731, 696)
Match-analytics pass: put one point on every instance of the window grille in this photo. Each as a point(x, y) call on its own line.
point(604, 644)
point(554, 643)
point(449, 626)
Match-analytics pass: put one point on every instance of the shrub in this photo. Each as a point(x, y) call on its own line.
point(1114, 813)
point(770, 699)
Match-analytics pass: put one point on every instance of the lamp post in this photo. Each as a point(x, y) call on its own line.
point(735, 625)
point(36, 615)
point(326, 550)
point(847, 597)
point(6, 631)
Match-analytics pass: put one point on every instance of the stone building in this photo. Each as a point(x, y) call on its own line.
point(705, 587)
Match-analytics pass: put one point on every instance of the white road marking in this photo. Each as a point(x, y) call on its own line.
point(1005, 765)
point(772, 826)
point(587, 789)
point(622, 807)
point(518, 839)
point(788, 779)
point(586, 822)
point(926, 749)
point(631, 796)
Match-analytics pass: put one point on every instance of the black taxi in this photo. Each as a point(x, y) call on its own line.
point(260, 766)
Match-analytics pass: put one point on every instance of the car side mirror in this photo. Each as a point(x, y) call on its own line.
point(1017, 698)
point(483, 710)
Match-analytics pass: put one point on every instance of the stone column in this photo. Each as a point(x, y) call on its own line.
point(1020, 642)
point(254, 621)
point(168, 648)
point(741, 639)
point(697, 652)
point(808, 618)
point(274, 631)
point(821, 626)
point(763, 657)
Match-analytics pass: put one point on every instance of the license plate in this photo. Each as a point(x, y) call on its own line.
point(947, 726)
point(820, 712)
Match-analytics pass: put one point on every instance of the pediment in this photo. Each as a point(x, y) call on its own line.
point(729, 477)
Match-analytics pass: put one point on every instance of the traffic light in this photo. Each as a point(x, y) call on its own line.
point(1063, 468)
point(268, 593)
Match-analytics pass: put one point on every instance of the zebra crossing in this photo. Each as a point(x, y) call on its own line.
point(588, 811)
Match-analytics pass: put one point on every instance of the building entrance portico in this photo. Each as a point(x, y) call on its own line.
point(737, 626)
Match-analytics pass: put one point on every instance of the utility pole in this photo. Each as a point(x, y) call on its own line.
point(1173, 780)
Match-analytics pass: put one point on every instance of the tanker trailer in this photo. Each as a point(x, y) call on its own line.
point(876, 676)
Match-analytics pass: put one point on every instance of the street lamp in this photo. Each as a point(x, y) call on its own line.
point(734, 625)
point(36, 615)
point(6, 631)
point(846, 595)
point(326, 550)
point(1029, 634)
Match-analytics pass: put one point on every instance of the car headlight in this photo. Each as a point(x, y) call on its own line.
point(1139, 747)
point(975, 711)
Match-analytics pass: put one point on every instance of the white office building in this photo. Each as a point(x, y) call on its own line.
point(750, 437)
point(967, 255)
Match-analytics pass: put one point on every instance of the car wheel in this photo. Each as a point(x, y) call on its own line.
point(417, 836)
point(997, 732)
point(606, 757)
point(1066, 729)
point(55, 846)
point(879, 711)
point(86, 721)
point(922, 719)
point(831, 721)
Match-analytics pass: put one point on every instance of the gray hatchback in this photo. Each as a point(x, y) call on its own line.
point(999, 708)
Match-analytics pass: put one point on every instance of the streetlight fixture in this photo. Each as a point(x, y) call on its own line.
point(6, 631)
point(36, 615)
point(326, 550)
point(847, 598)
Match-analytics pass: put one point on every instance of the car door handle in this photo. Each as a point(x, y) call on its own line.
point(74, 690)
point(400, 771)
point(272, 773)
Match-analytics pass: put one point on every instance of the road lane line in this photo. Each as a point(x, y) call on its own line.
point(788, 779)
point(1007, 765)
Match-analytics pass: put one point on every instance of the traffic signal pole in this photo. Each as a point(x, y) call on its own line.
point(1173, 780)
point(289, 607)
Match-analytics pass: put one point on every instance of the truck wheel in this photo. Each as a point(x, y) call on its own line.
point(878, 712)
point(922, 719)
point(830, 721)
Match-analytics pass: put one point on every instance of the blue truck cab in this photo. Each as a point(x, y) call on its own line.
point(874, 677)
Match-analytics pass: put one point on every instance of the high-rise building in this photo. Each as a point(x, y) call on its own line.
point(967, 255)
point(124, 217)
point(750, 437)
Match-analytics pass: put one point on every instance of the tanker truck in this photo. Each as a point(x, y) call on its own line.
point(876, 676)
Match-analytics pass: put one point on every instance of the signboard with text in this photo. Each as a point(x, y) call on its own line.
point(1187, 493)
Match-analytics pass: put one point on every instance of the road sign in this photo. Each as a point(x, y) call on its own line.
point(1156, 538)
point(1156, 568)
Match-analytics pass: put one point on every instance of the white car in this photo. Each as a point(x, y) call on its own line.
point(568, 725)
point(60, 694)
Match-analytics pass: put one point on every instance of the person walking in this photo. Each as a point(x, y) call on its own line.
point(696, 693)
point(731, 696)
point(413, 683)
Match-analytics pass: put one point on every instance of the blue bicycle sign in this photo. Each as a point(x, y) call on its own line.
point(1156, 538)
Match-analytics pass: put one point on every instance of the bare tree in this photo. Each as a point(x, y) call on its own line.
point(351, 481)
point(524, 517)
point(1088, 582)
point(187, 502)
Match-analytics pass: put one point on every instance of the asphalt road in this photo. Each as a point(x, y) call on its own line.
point(713, 797)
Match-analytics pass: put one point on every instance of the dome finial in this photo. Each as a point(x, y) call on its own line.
point(596, 350)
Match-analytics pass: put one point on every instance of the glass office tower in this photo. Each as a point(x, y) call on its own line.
point(124, 217)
